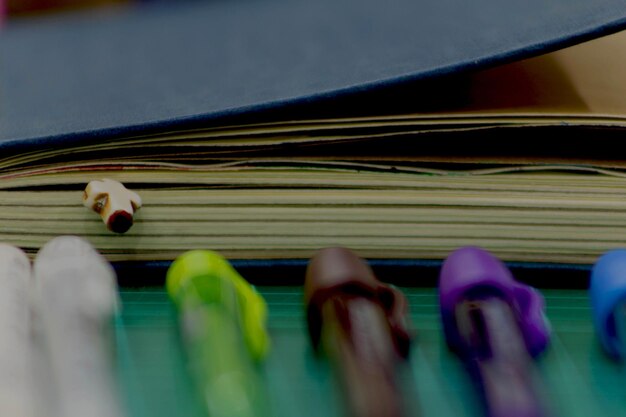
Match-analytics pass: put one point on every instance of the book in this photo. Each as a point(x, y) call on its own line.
point(377, 128)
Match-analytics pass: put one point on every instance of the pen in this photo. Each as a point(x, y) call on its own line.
point(223, 325)
point(75, 300)
point(16, 389)
point(608, 301)
point(495, 325)
point(360, 324)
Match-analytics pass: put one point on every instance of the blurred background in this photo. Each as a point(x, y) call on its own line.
point(24, 8)
point(14, 8)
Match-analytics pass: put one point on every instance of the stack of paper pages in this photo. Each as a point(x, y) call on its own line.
point(524, 158)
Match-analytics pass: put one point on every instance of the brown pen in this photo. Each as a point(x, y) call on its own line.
point(360, 324)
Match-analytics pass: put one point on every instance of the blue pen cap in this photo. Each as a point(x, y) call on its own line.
point(608, 290)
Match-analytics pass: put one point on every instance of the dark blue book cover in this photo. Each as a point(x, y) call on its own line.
point(94, 75)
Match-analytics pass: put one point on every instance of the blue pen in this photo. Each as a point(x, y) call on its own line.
point(495, 325)
point(608, 300)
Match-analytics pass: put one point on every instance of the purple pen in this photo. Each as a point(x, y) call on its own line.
point(496, 326)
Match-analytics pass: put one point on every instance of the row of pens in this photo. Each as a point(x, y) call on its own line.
point(55, 316)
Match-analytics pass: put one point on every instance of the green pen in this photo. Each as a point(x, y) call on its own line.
point(222, 321)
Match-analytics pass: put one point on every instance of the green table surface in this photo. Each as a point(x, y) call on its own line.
point(579, 379)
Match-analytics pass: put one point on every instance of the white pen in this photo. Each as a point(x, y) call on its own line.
point(76, 298)
point(16, 384)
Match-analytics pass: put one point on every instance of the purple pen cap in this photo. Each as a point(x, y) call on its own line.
point(608, 291)
point(333, 272)
point(471, 271)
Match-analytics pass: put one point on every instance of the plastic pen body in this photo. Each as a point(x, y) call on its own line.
point(497, 326)
point(496, 356)
point(220, 364)
point(76, 300)
point(355, 336)
point(361, 325)
point(16, 343)
point(222, 321)
point(608, 299)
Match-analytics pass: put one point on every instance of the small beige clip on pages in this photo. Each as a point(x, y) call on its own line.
point(16, 385)
point(115, 203)
point(76, 298)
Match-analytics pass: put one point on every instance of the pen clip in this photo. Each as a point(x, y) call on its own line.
point(253, 316)
point(391, 300)
point(471, 270)
point(396, 309)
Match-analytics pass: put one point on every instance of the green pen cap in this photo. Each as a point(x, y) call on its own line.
point(205, 277)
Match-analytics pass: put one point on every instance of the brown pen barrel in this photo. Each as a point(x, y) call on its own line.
point(356, 338)
point(360, 323)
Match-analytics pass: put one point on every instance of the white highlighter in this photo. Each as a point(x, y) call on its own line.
point(76, 299)
point(16, 383)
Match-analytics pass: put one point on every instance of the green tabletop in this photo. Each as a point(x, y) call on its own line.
point(579, 379)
